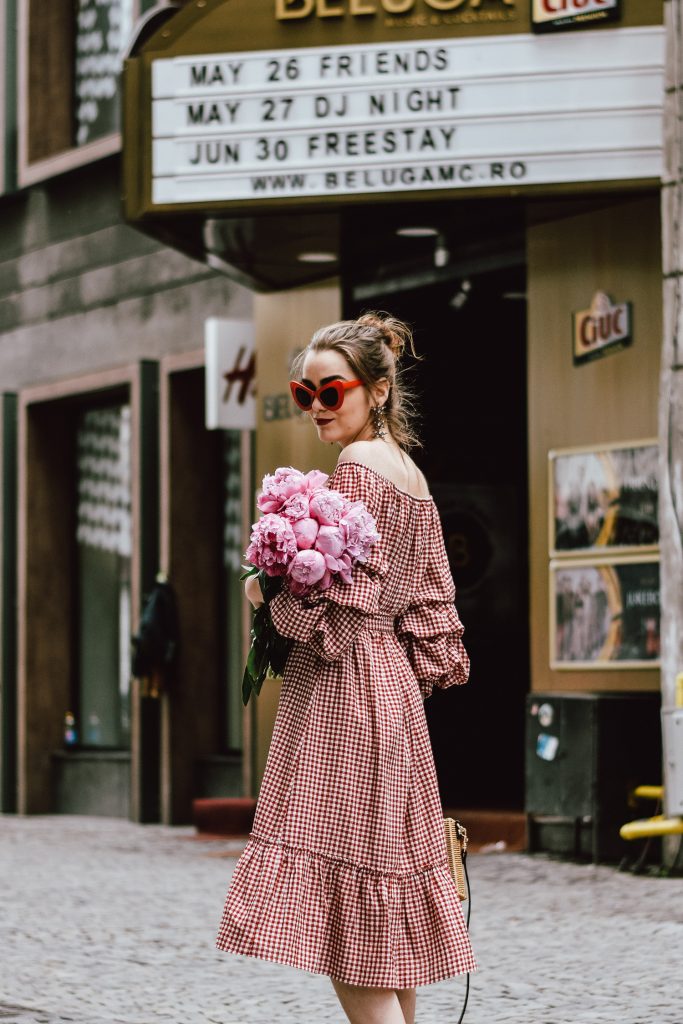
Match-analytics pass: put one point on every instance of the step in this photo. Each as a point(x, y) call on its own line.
point(488, 829)
point(223, 816)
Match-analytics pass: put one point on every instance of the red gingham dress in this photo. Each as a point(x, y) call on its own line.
point(345, 872)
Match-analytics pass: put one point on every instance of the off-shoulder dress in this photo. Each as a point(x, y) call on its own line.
point(345, 871)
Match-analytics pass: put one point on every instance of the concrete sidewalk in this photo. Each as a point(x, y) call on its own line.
point(103, 921)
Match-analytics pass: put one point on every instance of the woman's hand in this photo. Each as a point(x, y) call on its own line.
point(252, 589)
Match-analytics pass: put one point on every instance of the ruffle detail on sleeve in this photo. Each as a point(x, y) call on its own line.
point(430, 634)
point(329, 621)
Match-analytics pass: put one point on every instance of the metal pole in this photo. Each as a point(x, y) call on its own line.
point(671, 403)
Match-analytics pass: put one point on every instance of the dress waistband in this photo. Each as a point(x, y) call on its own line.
point(380, 623)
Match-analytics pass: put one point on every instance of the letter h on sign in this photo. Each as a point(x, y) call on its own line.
point(230, 375)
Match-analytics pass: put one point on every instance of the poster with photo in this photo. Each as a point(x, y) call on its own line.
point(605, 614)
point(604, 499)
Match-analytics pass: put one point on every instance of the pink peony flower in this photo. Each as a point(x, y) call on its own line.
point(359, 531)
point(315, 479)
point(307, 568)
point(341, 566)
point(309, 532)
point(273, 544)
point(279, 486)
point(330, 541)
point(328, 506)
point(295, 507)
point(326, 581)
point(305, 531)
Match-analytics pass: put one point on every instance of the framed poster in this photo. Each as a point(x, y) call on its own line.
point(604, 613)
point(603, 499)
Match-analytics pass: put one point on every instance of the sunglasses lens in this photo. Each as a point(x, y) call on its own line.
point(302, 398)
point(332, 396)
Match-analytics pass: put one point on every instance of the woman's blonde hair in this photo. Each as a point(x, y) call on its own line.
point(372, 346)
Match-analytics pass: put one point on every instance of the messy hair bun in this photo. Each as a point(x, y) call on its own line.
point(397, 335)
point(372, 346)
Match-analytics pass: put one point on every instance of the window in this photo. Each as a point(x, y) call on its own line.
point(104, 541)
point(70, 58)
point(101, 32)
point(6, 69)
point(233, 588)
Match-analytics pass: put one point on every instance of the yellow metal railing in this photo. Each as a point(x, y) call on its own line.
point(657, 825)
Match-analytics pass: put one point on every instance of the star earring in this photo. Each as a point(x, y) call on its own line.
point(379, 420)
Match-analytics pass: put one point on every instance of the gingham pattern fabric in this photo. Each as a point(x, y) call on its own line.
point(345, 872)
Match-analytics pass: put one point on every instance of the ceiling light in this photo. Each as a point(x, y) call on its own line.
point(417, 232)
point(317, 257)
point(462, 295)
point(441, 253)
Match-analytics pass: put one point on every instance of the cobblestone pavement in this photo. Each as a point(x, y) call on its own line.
point(106, 922)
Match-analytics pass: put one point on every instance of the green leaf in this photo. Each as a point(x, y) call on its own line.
point(247, 687)
point(251, 661)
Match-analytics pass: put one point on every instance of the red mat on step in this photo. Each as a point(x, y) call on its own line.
point(224, 816)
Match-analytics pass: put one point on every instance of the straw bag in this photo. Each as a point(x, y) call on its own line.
point(456, 847)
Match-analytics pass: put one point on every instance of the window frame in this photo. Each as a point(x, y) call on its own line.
point(39, 729)
point(4, 96)
point(32, 172)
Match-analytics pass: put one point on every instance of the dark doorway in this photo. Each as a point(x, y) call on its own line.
point(466, 304)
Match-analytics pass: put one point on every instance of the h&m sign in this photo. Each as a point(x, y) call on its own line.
point(603, 328)
point(548, 15)
point(230, 375)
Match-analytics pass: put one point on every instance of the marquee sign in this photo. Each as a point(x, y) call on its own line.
point(548, 15)
point(404, 11)
point(427, 115)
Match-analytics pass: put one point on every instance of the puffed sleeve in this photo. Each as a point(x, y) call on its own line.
point(330, 620)
point(430, 630)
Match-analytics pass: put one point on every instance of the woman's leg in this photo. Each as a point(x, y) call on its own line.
point(369, 1005)
point(406, 997)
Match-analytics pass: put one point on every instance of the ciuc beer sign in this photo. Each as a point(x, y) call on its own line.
point(551, 15)
point(603, 328)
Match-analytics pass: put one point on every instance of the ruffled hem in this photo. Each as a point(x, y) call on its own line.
point(328, 916)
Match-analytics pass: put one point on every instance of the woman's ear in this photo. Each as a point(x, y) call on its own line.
point(380, 391)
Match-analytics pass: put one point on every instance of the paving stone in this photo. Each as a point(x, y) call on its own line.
point(107, 922)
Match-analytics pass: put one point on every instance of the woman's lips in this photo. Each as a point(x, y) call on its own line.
point(322, 423)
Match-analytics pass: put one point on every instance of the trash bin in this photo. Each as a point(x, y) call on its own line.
point(585, 753)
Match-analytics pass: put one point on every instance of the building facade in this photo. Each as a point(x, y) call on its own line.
point(489, 170)
point(102, 370)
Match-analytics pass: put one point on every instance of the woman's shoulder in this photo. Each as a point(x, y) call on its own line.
point(399, 471)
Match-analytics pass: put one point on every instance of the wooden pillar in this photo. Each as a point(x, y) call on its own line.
point(191, 516)
point(8, 598)
point(45, 596)
point(284, 323)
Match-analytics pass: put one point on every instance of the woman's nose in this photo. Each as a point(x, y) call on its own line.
point(316, 405)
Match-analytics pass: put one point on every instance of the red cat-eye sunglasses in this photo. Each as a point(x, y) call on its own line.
point(330, 395)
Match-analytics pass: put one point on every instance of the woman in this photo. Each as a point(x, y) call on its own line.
point(345, 872)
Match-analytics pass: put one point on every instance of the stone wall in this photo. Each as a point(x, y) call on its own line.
point(81, 291)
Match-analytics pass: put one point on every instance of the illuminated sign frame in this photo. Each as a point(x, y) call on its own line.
point(315, 123)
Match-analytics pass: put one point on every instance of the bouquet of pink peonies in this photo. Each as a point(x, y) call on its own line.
point(308, 536)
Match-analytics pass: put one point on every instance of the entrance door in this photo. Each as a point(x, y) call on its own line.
point(470, 327)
